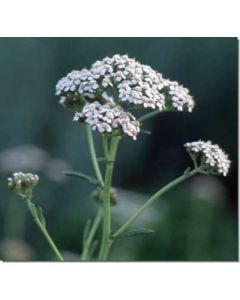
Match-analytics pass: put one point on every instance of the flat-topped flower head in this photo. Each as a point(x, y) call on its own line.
point(132, 82)
point(107, 117)
point(74, 86)
point(211, 157)
point(127, 81)
point(22, 183)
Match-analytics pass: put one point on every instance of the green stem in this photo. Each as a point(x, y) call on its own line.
point(44, 232)
point(163, 190)
point(106, 199)
point(93, 155)
point(105, 145)
point(148, 116)
point(88, 242)
point(98, 217)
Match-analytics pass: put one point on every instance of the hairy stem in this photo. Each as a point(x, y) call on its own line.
point(92, 232)
point(152, 199)
point(106, 199)
point(44, 232)
point(93, 154)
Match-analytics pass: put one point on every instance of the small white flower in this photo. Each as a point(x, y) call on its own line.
point(211, 157)
point(107, 117)
point(180, 97)
point(132, 82)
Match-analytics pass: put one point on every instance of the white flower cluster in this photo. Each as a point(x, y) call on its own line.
point(77, 82)
point(134, 83)
point(180, 97)
point(107, 117)
point(21, 182)
point(129, 81)
point(211, 156)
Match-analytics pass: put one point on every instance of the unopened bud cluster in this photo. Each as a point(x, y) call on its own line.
point(98, 196)
point(212, 158)
point(122, 81)
point(22, 183)
point(107, 117)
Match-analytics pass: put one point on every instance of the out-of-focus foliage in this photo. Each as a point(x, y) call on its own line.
point(196, 221)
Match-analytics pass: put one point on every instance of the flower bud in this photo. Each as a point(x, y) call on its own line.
point(23, 183)
point(98, 196)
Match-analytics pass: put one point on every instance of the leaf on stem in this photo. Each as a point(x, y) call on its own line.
point(90, 179)
point(33, 210)
point(92, 249)
point(136, 232)
point(40, 215)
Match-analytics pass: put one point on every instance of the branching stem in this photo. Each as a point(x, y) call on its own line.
point(148, 116)
point(152, 199)
point(105, 245)
point(93, 154)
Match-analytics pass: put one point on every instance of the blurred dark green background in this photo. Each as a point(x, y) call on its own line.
point(196, 221)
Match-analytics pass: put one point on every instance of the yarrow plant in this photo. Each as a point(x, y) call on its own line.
point(108, 98)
